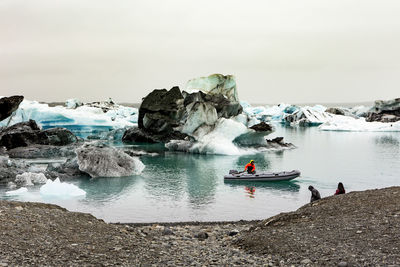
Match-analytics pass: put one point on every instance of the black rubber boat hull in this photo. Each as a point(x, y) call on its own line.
point(263, 176)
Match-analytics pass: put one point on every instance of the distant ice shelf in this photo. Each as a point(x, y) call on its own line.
point(80, 119)
point(345, 123)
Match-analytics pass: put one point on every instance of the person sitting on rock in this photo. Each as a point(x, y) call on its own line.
point(250, 167)
point(314, 194)
point(340, 189)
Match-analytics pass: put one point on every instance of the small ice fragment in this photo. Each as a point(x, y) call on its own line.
point(17, 192)
point(57, 189)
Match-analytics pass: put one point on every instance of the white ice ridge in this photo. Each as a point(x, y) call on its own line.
point(58, 189)
point(60, 116)
point(345, 123)
point(17, 192)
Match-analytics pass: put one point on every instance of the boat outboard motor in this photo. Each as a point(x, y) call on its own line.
point(233, 172)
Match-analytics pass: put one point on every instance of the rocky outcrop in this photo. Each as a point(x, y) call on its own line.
point(385, 111)
point(8, 105)
point(28, 133)
point(103, 161)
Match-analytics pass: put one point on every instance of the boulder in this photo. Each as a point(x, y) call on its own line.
point(103, 161)
point(8, 105)
point(385, 111)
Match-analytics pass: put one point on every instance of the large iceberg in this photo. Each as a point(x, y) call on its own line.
point(345, 123)
point(78, 118)
point(62, 190)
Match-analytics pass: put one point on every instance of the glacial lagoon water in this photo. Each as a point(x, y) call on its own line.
point(187, 187)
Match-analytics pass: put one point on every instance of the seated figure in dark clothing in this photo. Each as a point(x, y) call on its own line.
point(314, 194)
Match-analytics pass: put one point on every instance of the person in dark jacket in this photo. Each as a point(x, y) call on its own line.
point(340, 189)
point(314, 193)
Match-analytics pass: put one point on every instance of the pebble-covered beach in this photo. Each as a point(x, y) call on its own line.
point(356, 229)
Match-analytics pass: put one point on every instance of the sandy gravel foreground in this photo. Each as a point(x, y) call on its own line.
point(356, 229)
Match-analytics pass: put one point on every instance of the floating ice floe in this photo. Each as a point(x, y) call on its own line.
point(58, 189)
point(345, 123)
point(308, 116)
point(75, 117)
point(17, 192)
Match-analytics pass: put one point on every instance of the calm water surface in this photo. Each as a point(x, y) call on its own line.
point(184, 187)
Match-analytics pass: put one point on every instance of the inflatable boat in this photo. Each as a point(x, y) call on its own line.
point(234, 175)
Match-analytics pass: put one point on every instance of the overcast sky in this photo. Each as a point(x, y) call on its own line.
point(279, 51)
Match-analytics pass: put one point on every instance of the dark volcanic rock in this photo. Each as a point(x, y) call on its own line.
point(28, 133)
point(137, 135)
point(336, 111)
point(22, 134)
point(166, 106)
point(8, 105)
point(262, 127)
point(385, 111)
point(60, 136)
point(277, 142)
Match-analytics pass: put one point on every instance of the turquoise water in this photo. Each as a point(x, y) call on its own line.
point(186, 187)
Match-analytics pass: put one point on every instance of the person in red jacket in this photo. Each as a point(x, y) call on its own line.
point(340, 189)
point(250, 167)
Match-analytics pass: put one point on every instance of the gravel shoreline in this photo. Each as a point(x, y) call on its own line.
point(356, 229)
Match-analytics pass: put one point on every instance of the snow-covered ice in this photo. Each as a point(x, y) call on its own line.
point(345, 123)
point(62, 190)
